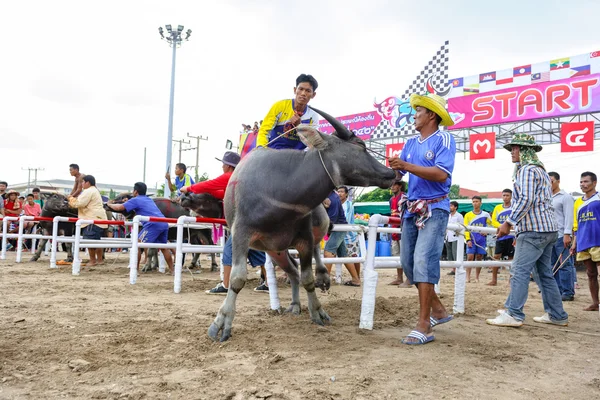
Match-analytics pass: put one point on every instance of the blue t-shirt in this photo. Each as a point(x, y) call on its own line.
point(186, 181)
point(436, 150)
point(335, 210)
point(144, 205)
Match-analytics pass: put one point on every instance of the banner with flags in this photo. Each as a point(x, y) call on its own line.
point(516, 94)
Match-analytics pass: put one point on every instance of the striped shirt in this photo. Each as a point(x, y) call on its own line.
point(532, 201)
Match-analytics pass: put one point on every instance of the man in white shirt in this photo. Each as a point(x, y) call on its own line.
point(451, 236)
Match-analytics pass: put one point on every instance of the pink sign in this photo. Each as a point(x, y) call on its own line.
point(362, 124)
point(543, 100)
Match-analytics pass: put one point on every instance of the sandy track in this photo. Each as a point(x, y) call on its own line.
point(97, 337)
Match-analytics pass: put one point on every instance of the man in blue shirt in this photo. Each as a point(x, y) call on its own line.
point(336, 245)
point(429, 158)
point(151, 232)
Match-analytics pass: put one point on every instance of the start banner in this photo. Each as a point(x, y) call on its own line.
point(559, 98)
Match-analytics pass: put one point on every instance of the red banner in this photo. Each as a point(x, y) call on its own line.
point(362, 124)
point(482, 146)
point(577, 136)
point(392, 150)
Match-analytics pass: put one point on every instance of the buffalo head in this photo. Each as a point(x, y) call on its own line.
point(57, 204)
point(204, 204)
point(350, 163)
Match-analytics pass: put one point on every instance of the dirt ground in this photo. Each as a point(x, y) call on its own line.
point(97, 337)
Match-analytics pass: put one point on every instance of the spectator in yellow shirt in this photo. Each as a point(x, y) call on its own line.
point(89, 206)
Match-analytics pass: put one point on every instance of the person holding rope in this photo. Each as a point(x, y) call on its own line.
point(277, 130)
point(89, 206)
point(216, 187)
point(586, 227)
point(429, 158)
point(536, 229)
point(563, 202)
point(151, 232)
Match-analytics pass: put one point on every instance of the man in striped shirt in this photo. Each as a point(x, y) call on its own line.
point(535, 225)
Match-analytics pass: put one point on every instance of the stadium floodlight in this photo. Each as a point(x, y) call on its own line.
point(174, 39)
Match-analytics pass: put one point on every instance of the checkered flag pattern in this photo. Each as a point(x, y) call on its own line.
point(437, 70)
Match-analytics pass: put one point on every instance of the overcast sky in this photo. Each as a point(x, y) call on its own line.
point(89, 84)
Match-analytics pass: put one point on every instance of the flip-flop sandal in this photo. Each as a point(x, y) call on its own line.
point(434, 321)
point(350, 283)
point(63, 262)
point(421, 338)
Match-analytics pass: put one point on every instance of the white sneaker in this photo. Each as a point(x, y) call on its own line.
point(504, 319)
point(545, 319)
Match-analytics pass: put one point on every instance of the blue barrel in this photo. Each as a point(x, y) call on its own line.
point(384, 249)
point(376, 247)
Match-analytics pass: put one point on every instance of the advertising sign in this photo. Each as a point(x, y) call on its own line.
point(392, 150)
point(577, 136)
point(362, 124)
point(482, 145)
point(543, 100)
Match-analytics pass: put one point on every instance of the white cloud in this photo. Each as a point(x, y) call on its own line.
point(89, 83)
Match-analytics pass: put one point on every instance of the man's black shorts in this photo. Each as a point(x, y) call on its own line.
point(505, 248)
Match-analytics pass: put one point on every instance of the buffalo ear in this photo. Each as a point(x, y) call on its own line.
point(311, 137)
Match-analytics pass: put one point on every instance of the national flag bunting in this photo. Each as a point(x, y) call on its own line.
point(470, 89)
point(540, 77)
point(580, 71)
point(595, 54)
point(458, 82)
point(487, 77)
point(522, 70)
point(504, 81)
point(559, 63)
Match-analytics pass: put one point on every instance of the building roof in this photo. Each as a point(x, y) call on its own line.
point(470, 193)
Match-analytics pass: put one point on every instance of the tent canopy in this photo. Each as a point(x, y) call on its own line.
point(383, 207)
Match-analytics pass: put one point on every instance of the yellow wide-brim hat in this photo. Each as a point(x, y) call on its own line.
point(434, 103)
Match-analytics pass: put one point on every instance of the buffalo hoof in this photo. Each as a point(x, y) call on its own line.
point(320, 317)
point(322, 282)
point(293, 309)
point(213, 333)
point(69, 259)
point(34, 259)
point(214, 267)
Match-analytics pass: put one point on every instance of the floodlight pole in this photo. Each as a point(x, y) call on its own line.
point(174, 39)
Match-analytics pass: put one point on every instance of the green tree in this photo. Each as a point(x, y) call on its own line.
point(202, 178)
point(455, 193)
point(375, 195)
point(160, 192)
point(112, 194)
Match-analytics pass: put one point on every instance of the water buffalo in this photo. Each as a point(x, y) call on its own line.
point(203, 204)
point(171, 209)
point(56, 205)
point(273, 202)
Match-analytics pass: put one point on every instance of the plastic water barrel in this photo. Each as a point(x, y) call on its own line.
point(376, 247)
point(384, 249)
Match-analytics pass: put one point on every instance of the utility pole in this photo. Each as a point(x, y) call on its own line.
point(144, 180)
point(175, 40)
point(29, 169)
point(198, 139)
point(180, 141)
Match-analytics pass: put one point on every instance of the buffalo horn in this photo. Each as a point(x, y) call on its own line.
point(342, 131)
